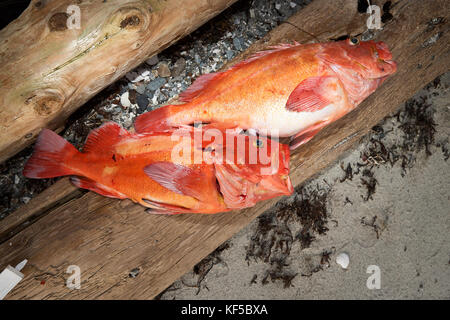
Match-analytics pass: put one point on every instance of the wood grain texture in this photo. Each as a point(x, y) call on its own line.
point(58, 193)
point(108, 238)
point(49, 70)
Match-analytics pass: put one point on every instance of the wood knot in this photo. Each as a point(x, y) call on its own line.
point(45, 107)
point(58, 21)
point(130, 21)
point(130, 18)
point(46, 102)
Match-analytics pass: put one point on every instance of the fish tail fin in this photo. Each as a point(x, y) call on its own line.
point(50, 155)
point(156, 120)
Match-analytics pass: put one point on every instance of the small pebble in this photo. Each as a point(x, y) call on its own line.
point(132, 96)
point(131, 75)
point(197, 59)
point(145, 73)
point(163, 70)
point(134, 273)
point(142, 102)
point(140, 89)
point(26, 199)
point(156, 84)
point(124, 100)
point(152, 61)
point(178, 67)
point(237, 44)
point(343, 260)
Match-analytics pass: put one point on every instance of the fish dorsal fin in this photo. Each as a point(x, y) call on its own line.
point(199, 84)
point(263, 53)
point(177, 178)
point(310, 95)
point(204, 80)
point(104, 137)
point(85, 183)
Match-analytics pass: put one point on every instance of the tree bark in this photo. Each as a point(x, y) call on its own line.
point(50, 67)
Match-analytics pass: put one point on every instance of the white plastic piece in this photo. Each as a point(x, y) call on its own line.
point(22, 264)
point(10, 277)
point(343, 260)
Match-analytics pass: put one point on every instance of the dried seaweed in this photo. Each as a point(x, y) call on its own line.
point(312, 214)
point(417, 125)
point(279, 273)
point(373, 224)
point(273, 237)
point(348, 172)
point(444, 148)
point(370, 182)
point(326, 257)
point(204, 267)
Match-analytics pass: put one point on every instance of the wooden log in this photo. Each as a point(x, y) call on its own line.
point(108, 238)
point(50, 67)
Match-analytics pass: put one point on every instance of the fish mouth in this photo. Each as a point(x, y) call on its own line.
point(392, 64)
point(386, 68)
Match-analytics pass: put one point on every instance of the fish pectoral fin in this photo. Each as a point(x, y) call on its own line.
point(304, 136)
point(104, 138)
point(86, 183)
point(177, 178)
point(311, 94)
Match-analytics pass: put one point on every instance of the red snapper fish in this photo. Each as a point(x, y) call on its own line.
point(290, 90)
point(169, 172)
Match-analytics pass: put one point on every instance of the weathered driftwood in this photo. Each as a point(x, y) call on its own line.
point(50, 67)
point(108, 238)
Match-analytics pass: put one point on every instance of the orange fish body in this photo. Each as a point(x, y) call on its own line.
point(292, 90)
point(119, 164)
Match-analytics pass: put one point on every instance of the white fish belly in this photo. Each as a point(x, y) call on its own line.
point(288, 123)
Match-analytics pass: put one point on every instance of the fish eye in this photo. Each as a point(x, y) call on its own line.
point(354, 41)
point(258, 143)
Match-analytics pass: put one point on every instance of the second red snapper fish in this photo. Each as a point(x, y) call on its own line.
point(292, 90)
point(160, 171)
